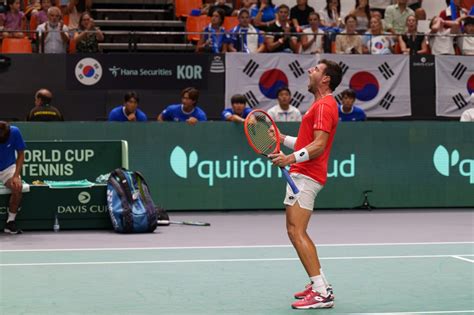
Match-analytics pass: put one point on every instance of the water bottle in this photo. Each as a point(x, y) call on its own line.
point(56, 223)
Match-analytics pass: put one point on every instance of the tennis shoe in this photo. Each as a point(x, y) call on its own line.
point(308, 288)
point(313, 300)
point(10, 227)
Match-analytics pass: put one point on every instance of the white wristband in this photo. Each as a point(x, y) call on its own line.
point(289, 142)
point(301, 155)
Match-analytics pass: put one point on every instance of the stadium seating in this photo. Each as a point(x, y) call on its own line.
point(183, 8)
point(16, 46)
point(196, 24)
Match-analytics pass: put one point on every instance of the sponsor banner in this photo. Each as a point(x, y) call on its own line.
point(141, 71)
point(381, 83)
point(455, 85)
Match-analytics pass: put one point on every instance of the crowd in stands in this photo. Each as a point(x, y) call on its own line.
point(371, 27)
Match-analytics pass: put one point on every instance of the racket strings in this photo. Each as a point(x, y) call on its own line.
point(260, 133)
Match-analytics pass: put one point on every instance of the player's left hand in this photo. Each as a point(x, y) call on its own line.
point(280, 159)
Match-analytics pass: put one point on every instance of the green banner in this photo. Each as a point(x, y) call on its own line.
point(210, 166)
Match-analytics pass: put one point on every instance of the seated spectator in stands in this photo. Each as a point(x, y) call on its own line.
point(396, 17)
point(440, 43)
point(187, 111)
point(12, 156)
point(129, 111)
point(312, 40)
point(43, 110)
point(244, 37)
point(331, 14)
point(54, 35)
point(380, 6)
point(376, 41)
point(220, 4)
point(453, 12)
point(468, 115)
point(413, 42)
point(283, 111)
point(32, 8)
point(347, 110)
point(286, 42)
point(238, 112)
point(42, 15)
point(349, 41)
point(299, 14)
point(263, 14)
point(74, 10)
point(246, 5)
point(378, 15)
point(214, 39)
point(13, 20)
point(362, 13)
point(466, 43)
point(88, 36)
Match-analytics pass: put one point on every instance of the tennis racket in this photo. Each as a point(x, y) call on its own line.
point(196, 223)
point(262, 135)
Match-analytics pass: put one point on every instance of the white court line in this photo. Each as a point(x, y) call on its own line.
point(462, 258)
point(224, 247)
point(427, 312)
point(214, 260)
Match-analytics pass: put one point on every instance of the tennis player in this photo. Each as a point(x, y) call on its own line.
point(309, 171)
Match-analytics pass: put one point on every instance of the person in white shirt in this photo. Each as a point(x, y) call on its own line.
point(54, 33)
point(466, 43)
point(440, 43)
point(468, 114)
point(284, 111)
point(312, 41)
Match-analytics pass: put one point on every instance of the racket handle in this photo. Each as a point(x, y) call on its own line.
point(290, 180)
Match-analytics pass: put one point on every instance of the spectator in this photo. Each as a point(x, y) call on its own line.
point(43, 110)
point(220, 4)
point(300, 14)
point(32, 8)
point(214, 39)
point(88, 36)
point(362, 13)
point(415, 4)
point(347, 110)
point(313, 39)
point(244, 37)
point(349, 42)
point(396, 17)
point(14, 20)
point(468, 114)
point(453, 11)
point(238, 112)
point(129, 111)
point(331, 14)
point(74, 9)
point(42, 15)
point(285, 42)
point(380, 6)
point(11, 142)
point(284, 111)
point(187, 111)
point(377, 42)
point(54, 35)
point(440, 41)
point(247, 5)
point(413, 42)
point(466, 43)
point(263, 14)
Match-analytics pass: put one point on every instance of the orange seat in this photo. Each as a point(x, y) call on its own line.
point(230, 22)
point(16, 46)
point(397, 49)
point(333, 47)
point(72, 46)
point(33, 25)
point(184, 7)
point(196, 24)
point(66, 19)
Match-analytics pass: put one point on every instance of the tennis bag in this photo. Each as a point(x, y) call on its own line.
point(129, 202)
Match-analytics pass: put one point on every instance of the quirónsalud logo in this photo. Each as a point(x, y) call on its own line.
point(184, 164)
point(444, 163)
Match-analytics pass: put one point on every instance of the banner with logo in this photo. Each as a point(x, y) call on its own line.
point(260, 76)
point(455, 85)
point(381, 83)
point(141, 71)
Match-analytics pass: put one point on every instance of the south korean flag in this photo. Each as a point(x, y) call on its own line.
point(381, 83)
point(260, 76)
point(454, 85)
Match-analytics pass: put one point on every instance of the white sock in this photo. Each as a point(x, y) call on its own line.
point(11, 216)
point(318, 285)
point(326, 283)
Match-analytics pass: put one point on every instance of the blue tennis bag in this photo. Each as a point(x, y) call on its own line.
point(129, 202)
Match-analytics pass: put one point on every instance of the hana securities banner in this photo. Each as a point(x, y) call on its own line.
point(381, 83)
point(455, 85)
point(260, 76)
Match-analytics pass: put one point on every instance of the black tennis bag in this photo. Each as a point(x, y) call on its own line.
point(129, 202)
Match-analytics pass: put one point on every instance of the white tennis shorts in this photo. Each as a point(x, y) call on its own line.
point(7, 173)
point(309, 189)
